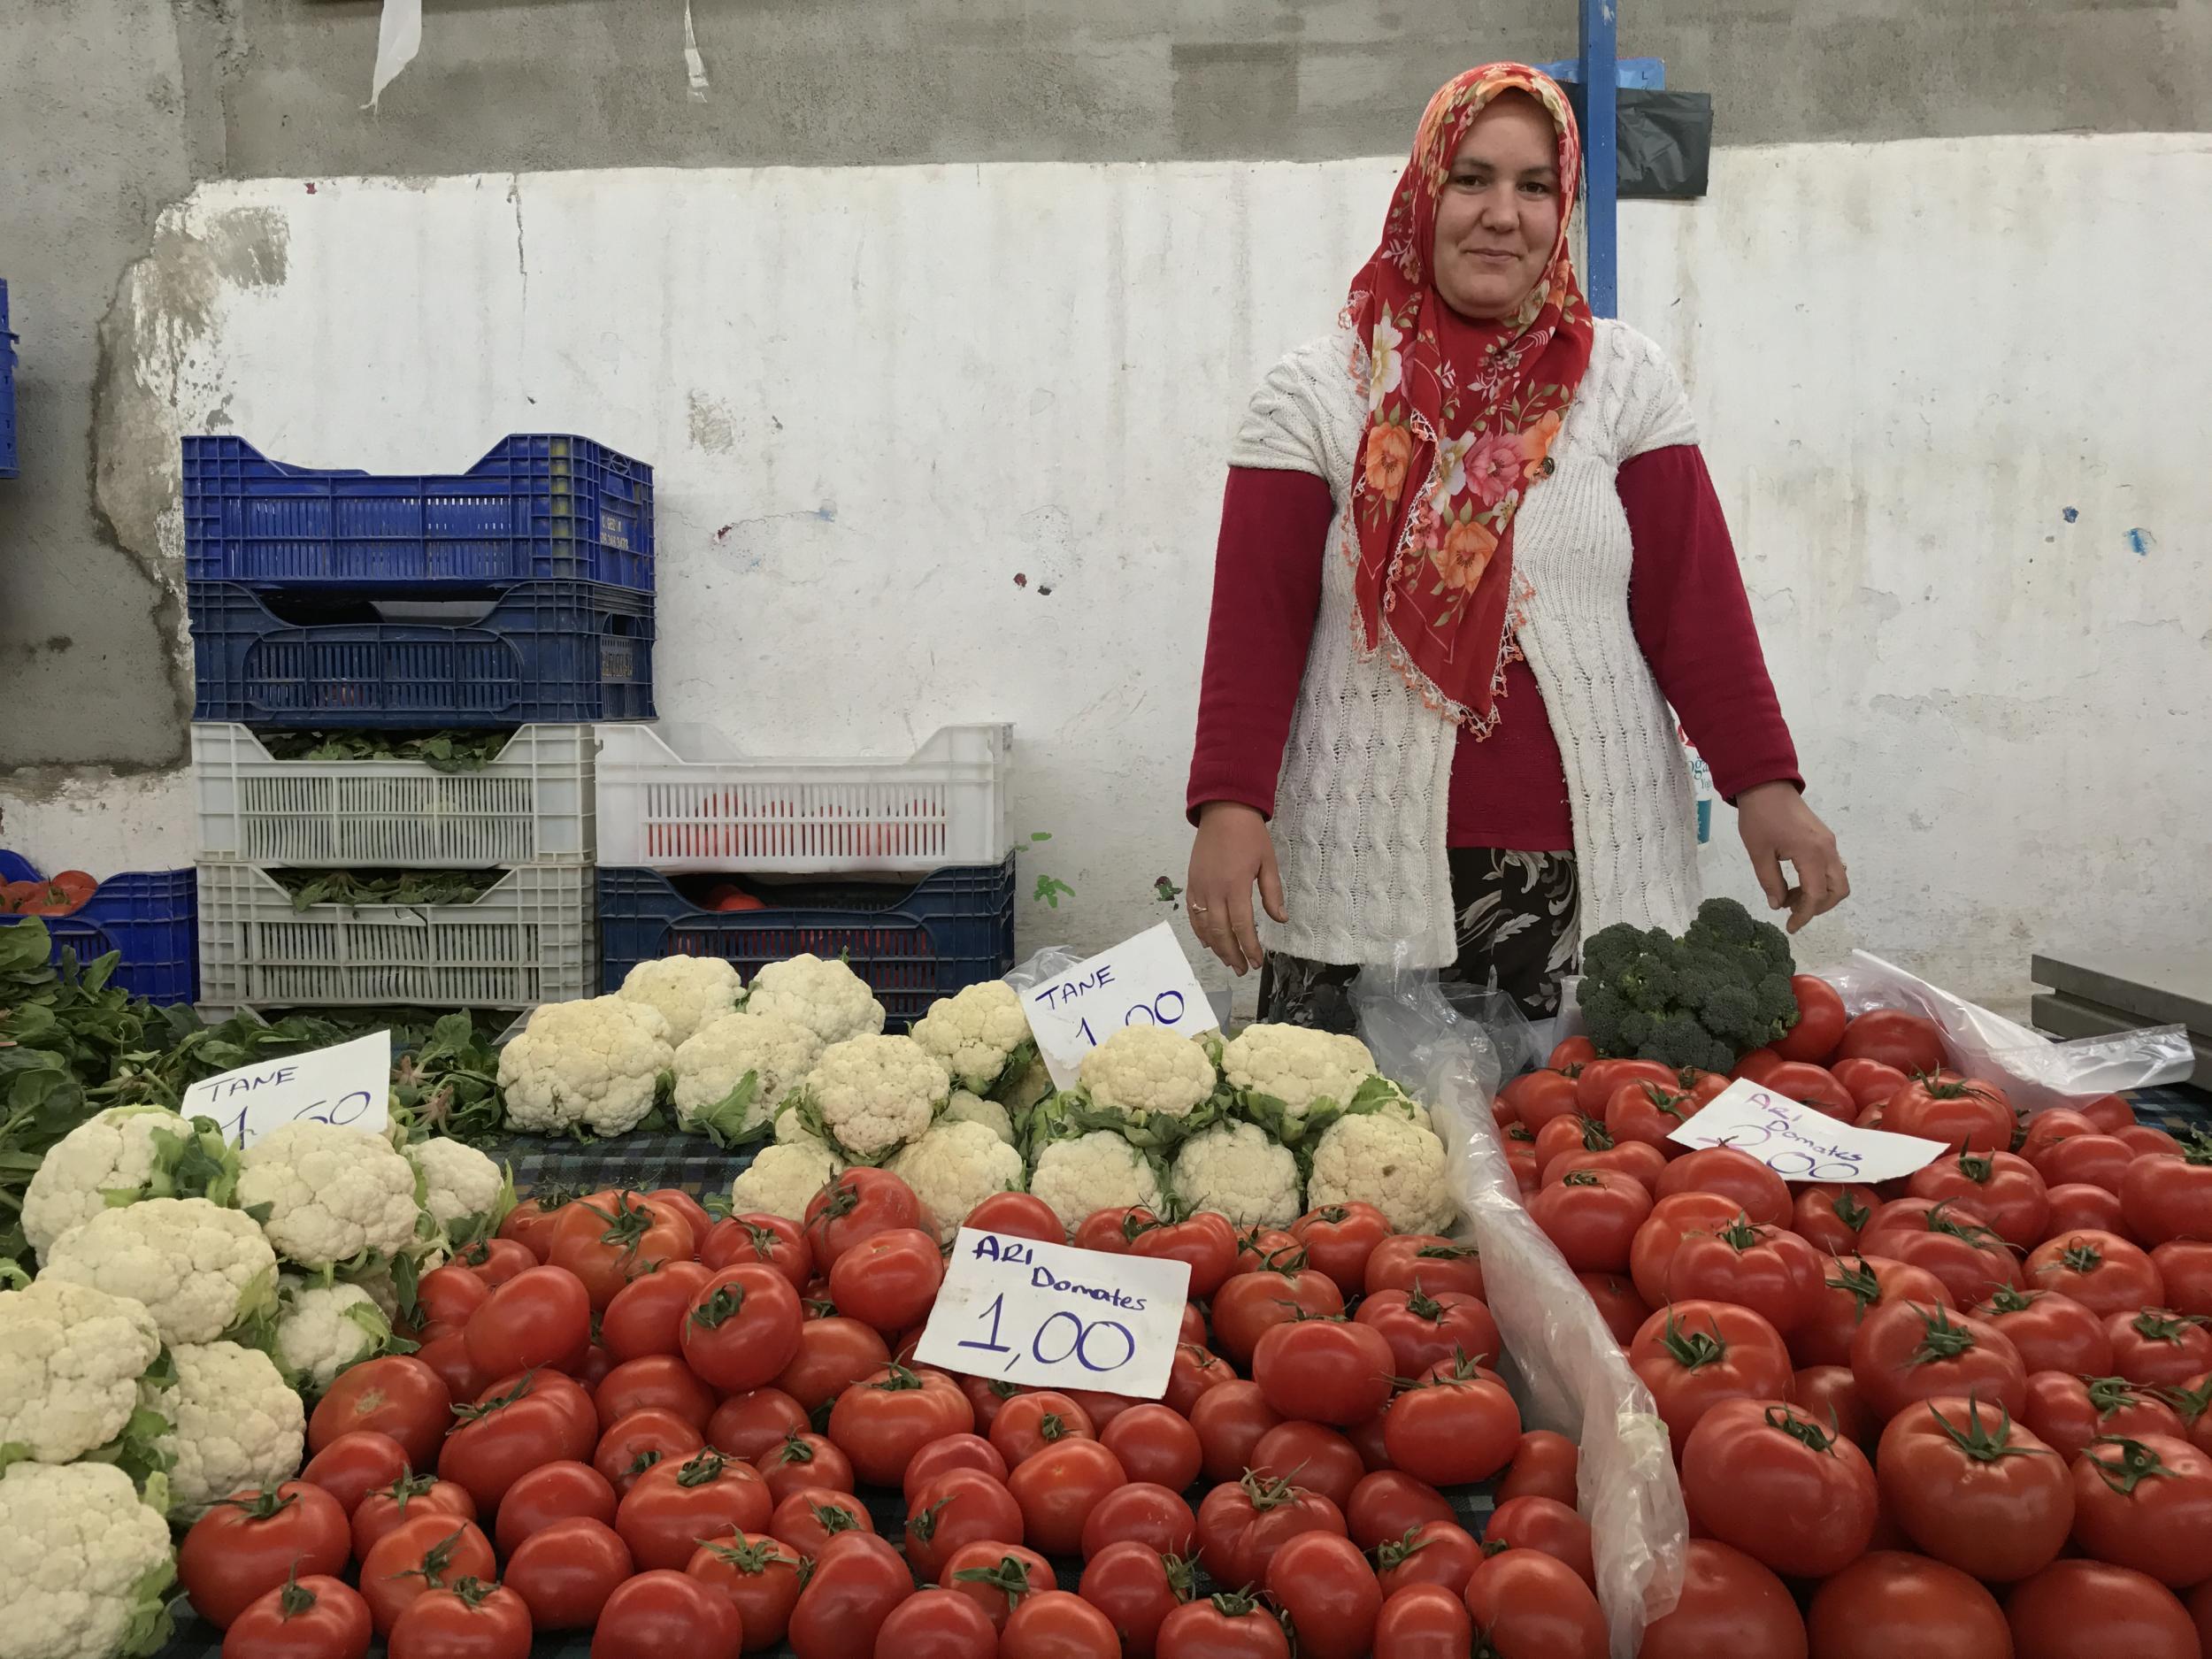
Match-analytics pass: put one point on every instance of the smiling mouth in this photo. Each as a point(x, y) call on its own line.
point(1493, 256)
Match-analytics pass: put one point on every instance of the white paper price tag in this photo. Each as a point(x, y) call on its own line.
point(349, 1085)
point(1050, 1316)
point(1799, 1144)
point(1143, 981)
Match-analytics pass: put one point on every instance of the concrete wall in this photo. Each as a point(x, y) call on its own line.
point(1971, 517)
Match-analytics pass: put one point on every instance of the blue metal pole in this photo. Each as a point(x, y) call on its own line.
point(1598, 63)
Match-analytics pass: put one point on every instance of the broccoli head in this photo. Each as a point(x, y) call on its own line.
point(1704, 1000)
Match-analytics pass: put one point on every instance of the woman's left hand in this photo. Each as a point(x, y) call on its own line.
point(1778, 829)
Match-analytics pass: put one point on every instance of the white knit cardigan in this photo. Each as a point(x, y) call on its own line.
point(1359, 810)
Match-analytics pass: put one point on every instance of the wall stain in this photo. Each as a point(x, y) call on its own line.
point(713, 428)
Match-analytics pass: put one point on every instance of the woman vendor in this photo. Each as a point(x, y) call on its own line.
point(1469, 555)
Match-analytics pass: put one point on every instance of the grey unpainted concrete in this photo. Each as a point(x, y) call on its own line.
point(112, 109)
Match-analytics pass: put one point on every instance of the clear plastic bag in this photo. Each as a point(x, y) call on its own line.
point(2035, 1071)
point(1575, 1379)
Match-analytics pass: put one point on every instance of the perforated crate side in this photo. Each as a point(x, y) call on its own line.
point(554, 652)
point(951, 929)
point(528, 940)
point(539, 506)
point(148, 917)
point(533, 803)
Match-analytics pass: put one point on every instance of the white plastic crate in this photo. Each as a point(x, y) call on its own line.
point(529, 938)
point(682, 798)
point(533, 804)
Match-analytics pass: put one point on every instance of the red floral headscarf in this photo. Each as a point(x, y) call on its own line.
point(1462, 416)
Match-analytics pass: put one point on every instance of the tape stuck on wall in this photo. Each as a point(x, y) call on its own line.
point(695, 65)
point(399, 38)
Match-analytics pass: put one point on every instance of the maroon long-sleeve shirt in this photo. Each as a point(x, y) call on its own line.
point(1687, 605)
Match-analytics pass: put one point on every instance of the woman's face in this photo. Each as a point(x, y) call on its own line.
point(1499, 214)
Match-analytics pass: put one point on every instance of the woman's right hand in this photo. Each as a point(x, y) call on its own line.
point(1233, 851)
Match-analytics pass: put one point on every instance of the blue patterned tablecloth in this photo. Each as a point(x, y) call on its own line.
point(2178, 1109)
point(644, 1161)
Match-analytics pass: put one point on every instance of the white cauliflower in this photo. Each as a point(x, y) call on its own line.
point(591, 1067)
point(825, 996)
point(953, 1168)
point(70, 1360)
point(466, 1193)
point(1238, 1171)
point(199, 1268)
point(972, 1108)
point(689, 991)
point(791, 1130)
point(868, 1096)
point(321, 1329)
point(1282, 1075)
point(713, 1064)
point(1142, 1082)
point(1384, 1159)
point(334, 1194)
point(235, 1423)
point(88, 1564)
point(1099, 1171)
point(146, 1151)
point(980, 1034)
point(782, 1180)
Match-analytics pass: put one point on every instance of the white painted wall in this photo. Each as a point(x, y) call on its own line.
point(873, 396)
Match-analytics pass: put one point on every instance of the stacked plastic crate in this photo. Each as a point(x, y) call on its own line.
point(516, 598)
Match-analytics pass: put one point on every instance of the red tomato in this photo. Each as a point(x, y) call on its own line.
point(1325, 1585)
point(1229, 1421)
point(1059, 1488)
point(1889, 1603)
point(1872, 1083)
point(1832, 1216)
point(2169, 1196)
point(540, 1318)
point(1242, 1522)
point(252, 1541)
point(2158, 1347)
point(2110, 1113)
point(1757, 1064)
point(857, 1580)
point(1426, 1261)
point(2147, 1142)
point(1320, 1460)
point(1905, 1040)
point(1949, 1240)
point(1811, 1086)
point(1965, 1116)
point(693, 1213)
point(963, 1506)
point(2051, 1332)
point(2090, 1609)
point(889, 1279)
point(1592, 1216)
point(530, 1222)
point(447, 1355)
point(1424, 1621)
point(1017, 1215)
point(1694, 1354)
point(1029, 1422)
point(1251, 1304)
point(1142, 1513)
point(859, 1204)
point(1135, 1587)
point(398, 1395)
point(2077, 1207)
point(1437, 1552)
point(2002, 1189)
point(422, 1553)
point(2067, 1412)
point(1906, 1351)
point(1060, 1624)
point(2045, 1130)
point(1729, 1604)
point(1762, 1195)
point(2094, 1160)
point(2100, 1270)
point(549, 1494)
point(1546, 1525)
point(743, 1327)
point(757, 1240)
point(541, 1418)
point(1820, 1021)
point(811, 1517)
point(1740, 1263)
point(1323, 1371)
point(1527, 1605)
point(495, 1261)
point(991, 1575)
point(1195, 1369)
point(936, 1625)
point(355, 1464)
point(662, 1612)
point(759, 1577)
point(1338, 1239)
point(448, 1296)
point(1154, 1443)
point(1974, 1489)
point(566, 1571)
point(1647, 1113)
point(673, 1506)
point(880, 1421)
point(1790, 1493)
point(468, 1621)
point(637, 1442)
point(1619, 1303)
point(660, 1381)
point(314, 1617)
point(955, 1451)
point(1545, 1465)
point(2147, 1504)
point(647, 1315)
point(800, 1459)
point(1422, 1328)
point(832, 1354)
point(987, 1397)
point(418, 1494)
point(1830, 1394)
point(1206, 1242)
point(610, 1238)
point(1449, 1434)
point(1597, 1083)
point(747, 1424)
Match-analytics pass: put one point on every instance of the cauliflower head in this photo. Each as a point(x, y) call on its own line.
point(148, 1151)
point(953, 1168)
point(334, 1194)
point(712, 1067)
point(1384, 1159)
point(689, 991)
point(1142, 1069)
point(588, 1068)
point(965, 1108)
point(782, 1180)
point(825, 996)
point(1238, 1171)
point(1285, 1074)
point(466, 1193)
point(235, 1422)
point(199, 1268)
point(1098, 1170)
point(868, 1096)
point(321, 1329)
point(980, 1034)
point(88, 1564)
point(70, 1360)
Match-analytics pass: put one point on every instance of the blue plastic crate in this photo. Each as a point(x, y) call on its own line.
point(543, 651)
point(150, 917)
point(539, 506)
point(7, 390)
point(913, 944)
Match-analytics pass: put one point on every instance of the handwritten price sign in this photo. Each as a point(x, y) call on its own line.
point(1049, 1316)
point(1799, 1144)
point(349, 1085)
point(1143, 981)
